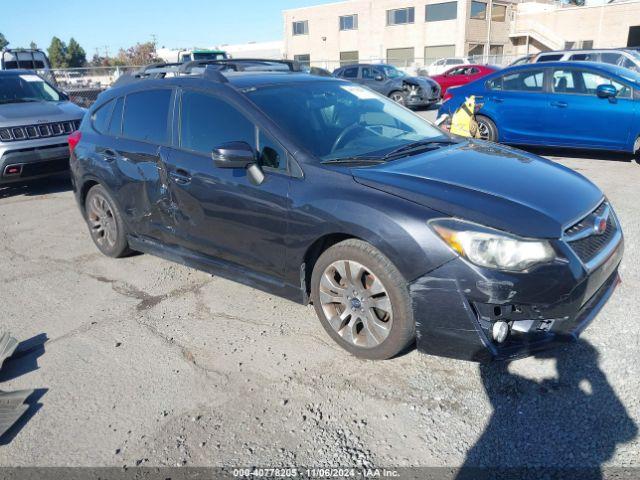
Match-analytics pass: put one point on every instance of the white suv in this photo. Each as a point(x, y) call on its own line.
point(443, 64)
point(623, 58)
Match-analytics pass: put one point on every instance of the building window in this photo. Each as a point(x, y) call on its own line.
point(347, 58)
point(431, 54)
point(400, 57)
point(349, 22)
point(301, 28)
point(437, 12)
point(478, 10)
point(476, 50)
point(496, 50)
point(303, 59)
point(400, 16)
point(498, 13)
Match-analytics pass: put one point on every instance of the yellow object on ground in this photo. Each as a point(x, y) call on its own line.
point(463, 121)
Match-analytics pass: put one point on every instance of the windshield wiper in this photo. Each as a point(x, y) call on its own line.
point(373, 160)
point(417, 146)
point(18, 100)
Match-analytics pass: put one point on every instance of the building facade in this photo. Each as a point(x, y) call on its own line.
point(404, 33)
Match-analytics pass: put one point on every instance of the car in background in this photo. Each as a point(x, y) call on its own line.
point(625, 58)
point(24, 59)
point(35, 120)
point(522, 60)
point(560, 104)
point(457, 76)
point(443, 64)
point(323, 191)
point(386, 79)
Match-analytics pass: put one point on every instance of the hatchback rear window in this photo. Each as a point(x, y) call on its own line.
point(146, 116)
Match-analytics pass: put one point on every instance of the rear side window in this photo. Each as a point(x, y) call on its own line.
point(350, 72)
point(100, 118)
point(549, 58)
point(146, 116)
point(611, 58)
point(115, 127)
point(207, 122)
point(527, 81)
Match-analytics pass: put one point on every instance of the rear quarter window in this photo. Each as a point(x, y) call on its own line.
point(146, 116)
point(101, 117)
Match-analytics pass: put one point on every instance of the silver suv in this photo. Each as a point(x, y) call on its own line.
point(35, 120)
point(622, 58)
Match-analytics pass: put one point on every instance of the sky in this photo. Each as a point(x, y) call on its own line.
point(122, 23)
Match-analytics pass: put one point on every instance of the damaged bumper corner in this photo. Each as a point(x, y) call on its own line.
point(456, 306)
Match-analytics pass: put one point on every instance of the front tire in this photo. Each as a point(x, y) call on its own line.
point(105, 223)
point(487, 129)
point(362, 300)
point(398, 96)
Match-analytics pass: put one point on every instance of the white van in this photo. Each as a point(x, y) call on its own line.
point(24, 58)
point(622, 58)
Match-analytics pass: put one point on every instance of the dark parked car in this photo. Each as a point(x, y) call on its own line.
point(35, 119)
point(393, 83)
point(395, 231)
point(560, 104)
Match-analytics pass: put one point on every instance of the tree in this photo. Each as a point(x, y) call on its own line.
point(3, 41)
point(33, 45)
point(139, 54)
point(76, 56)
point(58, 53)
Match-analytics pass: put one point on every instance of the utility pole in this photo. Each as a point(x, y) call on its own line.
point(487, 48)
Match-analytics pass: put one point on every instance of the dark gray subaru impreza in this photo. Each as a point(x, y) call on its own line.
point(322, 191)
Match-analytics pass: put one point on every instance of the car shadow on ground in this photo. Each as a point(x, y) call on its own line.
point(36, 187)
point(23, 361)
point(573, 420)
point(586, 154)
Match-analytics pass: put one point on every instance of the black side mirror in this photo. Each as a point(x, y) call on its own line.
point(378, 78)
point(233, 155)
point(606, 91)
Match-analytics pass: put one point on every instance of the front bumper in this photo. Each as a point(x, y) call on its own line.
point(28, 160)
point(456, 305)
point(421, 97)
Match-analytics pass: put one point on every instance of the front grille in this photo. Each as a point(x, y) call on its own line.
point(42, 130)
point(582, 238)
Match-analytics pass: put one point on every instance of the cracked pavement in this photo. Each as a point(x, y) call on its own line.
point(150, 363)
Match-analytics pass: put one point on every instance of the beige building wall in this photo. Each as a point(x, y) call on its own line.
point(550, 26)
point(374, 37)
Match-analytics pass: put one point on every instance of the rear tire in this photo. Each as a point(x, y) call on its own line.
point(362, 300)
point(487, 129)
point(105, 223)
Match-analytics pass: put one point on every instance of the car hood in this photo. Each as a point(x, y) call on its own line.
point(14, 114)
point(489, 184)
point(420, 81)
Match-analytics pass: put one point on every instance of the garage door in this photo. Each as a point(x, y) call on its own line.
point(400, 57)
point(441, 51)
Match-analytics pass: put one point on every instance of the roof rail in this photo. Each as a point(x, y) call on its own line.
point(142, 71)
point(243, 64)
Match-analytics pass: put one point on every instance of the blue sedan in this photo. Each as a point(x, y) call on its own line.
point(560, 104)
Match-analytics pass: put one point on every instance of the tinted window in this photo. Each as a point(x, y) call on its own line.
point(441, 11)
point(549, 58)
point(351, 72)
point(584, 57)
point(115, 128)
point(100, 118)
point(146, 115)
point(272, 155)
point(370, 73)
point(610, 57)
point(527, 81)
point(207, 122)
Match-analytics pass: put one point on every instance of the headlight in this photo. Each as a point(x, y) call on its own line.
point(491, 248)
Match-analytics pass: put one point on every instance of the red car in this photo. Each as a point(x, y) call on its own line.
point(461, 75)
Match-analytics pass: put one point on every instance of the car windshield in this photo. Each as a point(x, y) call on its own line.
point(338, 120)
point(26, 88)
point(393, 72)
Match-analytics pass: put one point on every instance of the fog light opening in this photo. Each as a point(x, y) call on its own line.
point(13, 170)
point(500, 331)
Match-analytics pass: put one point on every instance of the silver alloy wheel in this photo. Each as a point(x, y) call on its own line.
point(356, 303)
point(101, 221)
point(483, 130)
point(397, 97)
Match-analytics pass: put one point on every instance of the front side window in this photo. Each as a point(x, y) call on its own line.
point(584, 57)
point(611, 58)
point(437, 12)
point(207, 122)
point(301, 28)
point(146, 116)
point(400, 16)
point(478, 10)
point(582, 82)
point(26, 88)
point(527, 81)
point(341, 120)
point(349, 22)
point(370, 73)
